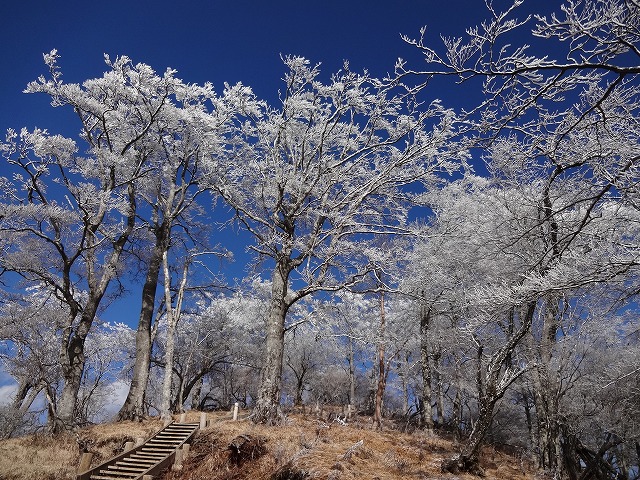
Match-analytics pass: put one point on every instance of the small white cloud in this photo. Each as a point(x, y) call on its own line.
point(119, 393)
point(8, 393)
point(115, 395)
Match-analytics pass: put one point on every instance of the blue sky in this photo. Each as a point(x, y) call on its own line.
point(214, 41)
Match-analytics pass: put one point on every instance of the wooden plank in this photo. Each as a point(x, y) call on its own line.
point(125, 468)
point(116, 475)
point(104, 477)
point(139, 460)
point(114, 470)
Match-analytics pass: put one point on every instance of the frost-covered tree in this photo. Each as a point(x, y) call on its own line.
point(217, 350)
point(131, 186)
point(316, 178)
point(485, 263)
point(68, 213)
point(350, 318)
point(190, 124)
point(557, 110)
point(29, 354)
point(307, 354)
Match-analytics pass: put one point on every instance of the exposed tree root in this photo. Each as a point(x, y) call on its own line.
point(462, 464)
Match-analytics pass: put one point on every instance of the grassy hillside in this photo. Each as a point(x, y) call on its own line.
point(304, 448)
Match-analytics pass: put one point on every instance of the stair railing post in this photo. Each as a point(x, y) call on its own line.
point(203, 420)
point(177, 460)
point(85, 462)
point(185, 451)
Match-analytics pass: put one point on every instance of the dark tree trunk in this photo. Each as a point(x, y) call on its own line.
point(352, 376)
point(195, 396)
point(439, 393)
point(457, 408)
point(299, 389)
point(72, 361)
point(134, 406)
point(426, 413)
point(72, 356)
point(377, 415)
point(493, 381)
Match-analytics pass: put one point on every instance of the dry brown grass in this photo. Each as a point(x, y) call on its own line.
point(306, 448)
point(56, 458)
point(37, 456)
point(303, 448)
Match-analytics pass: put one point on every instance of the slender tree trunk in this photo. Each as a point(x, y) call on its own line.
point(187, 385)
point(165, 401)
point(493, 381)
point(439, 394)
point(267, 408)
point(426, 414)
point(24, 387)
point(299, 388)
point(173, 316)
point(352, 376)
point(457, 405)
point(467, 460)
point(377, 415)
point(26, 397)
point(529, 418)
point(370, 403)
point(134, 407)
point(404, 378)
point(544, 375)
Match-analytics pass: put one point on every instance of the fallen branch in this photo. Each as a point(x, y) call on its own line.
point(347, 455)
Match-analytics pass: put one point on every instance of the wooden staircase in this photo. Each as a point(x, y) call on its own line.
point(146, 460)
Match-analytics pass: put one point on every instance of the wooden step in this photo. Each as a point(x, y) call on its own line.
point(159, 449)
point(133, 459)
point(121, 473)
point(127, 462)
point(149, 456)
point(113, 475)
point(122, 465)
point(105, 476)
